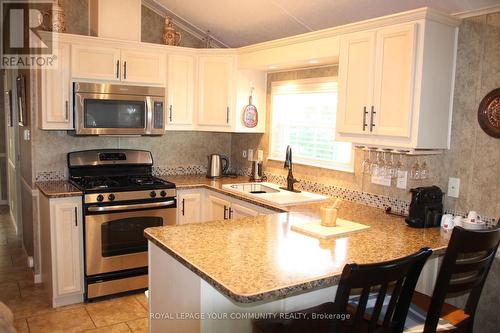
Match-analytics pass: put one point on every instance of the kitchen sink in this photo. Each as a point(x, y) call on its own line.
point(253, 188)
point(273, 194)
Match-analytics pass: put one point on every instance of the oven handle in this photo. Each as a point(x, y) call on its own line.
point(129, 207)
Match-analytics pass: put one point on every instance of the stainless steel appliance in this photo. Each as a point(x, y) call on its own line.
point(426, 207)
point(121, 199)
point(111, 109)
point(217, 165)
point(257, 173)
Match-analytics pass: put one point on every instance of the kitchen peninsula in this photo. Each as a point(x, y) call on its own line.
point(221, 269)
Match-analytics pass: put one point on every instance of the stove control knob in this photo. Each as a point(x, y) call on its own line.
point(100, 197)
point(111, 197)
point(163, 193)
point(152, 194)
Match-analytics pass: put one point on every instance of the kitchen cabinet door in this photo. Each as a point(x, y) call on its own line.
point(189, 208)
point(394, 80)
point(95, 63)
point(143, 67)
point(240, 211)
point(355, 82)
point(67, 246)
point(217, 208)
point(180, 92)
point(215, 92)
point(56, 113)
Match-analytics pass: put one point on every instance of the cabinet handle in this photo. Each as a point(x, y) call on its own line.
point(124, 70)
point(182, 207)
point(170, 113)
point(117, 68)
point(227, 114)
point(67, 110)
point(76, 216)
point(225, 210)
point(372, 125)
point(230, 213)
point(365, 112)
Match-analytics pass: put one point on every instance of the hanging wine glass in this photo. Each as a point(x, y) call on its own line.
point(424, 170)
point(415, 171)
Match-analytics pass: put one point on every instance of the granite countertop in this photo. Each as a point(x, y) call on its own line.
point(261, 258)
point(58, 189)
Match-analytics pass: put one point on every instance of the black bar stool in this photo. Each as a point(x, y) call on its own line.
point(386, 289)
point(464, 269)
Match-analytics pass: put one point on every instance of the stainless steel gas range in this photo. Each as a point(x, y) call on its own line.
point(121, 198)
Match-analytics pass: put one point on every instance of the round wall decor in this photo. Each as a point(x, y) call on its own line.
point(488, 114)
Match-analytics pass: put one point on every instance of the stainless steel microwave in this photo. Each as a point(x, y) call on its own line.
point(112, 109)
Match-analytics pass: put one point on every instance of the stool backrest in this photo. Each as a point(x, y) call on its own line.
point(465, 267)
point(394, 279)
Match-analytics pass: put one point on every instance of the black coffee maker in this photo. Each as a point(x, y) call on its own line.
point(426, 207)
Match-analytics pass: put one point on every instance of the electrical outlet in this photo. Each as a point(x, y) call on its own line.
point(381, 180)
point(453, 187)
point(260, 155)
point(402, 179)
point(244, 153)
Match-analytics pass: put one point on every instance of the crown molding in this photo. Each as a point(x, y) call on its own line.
point(181, 23)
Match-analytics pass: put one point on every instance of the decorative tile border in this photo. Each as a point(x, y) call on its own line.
point(179, 170)
point(51, 175)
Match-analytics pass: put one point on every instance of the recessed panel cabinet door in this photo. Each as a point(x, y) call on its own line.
point(215, 95)
point(217, 208)
point(95, 63)
point(56, 113)
point(239, 211)
point(189, 208)
point(67, 246)
point(143, 67)
point(180, 90)
point(394, 80)
point(355, 87)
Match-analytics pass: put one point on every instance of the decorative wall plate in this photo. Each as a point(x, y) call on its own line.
point(488, 114)
point(250, 114)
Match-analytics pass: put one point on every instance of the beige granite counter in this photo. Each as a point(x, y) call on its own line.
point(58, 189)
point(261, 258)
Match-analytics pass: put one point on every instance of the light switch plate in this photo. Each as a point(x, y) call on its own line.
point(250, 154)
point(381, 180)
point(244, 153)
point(402, 180)
point(453, 187)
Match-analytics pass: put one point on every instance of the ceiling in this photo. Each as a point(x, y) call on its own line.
point(239, 23)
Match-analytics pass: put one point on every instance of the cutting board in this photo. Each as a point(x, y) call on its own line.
point(315, 229)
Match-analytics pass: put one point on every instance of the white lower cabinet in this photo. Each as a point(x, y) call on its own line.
point(189, 208)
point(203, 205)
point(61, 240)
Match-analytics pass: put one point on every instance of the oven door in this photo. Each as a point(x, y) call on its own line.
point(114, 235)
point(112, 114)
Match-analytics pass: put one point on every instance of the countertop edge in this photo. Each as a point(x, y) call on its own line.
point(263, 296)
point(69, 191)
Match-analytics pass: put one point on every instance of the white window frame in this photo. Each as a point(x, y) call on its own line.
point(299, 86)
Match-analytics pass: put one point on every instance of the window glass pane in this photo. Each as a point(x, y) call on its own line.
point(305, 119)
point(114, 114)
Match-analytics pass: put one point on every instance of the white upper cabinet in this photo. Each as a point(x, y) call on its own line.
point(113, 64)
point(355, 79)
point(95, 63)
point(180, 92)
point(55, 112)
point(387, 93)
point(394, 81)
point(215, 92)
point(143, 67)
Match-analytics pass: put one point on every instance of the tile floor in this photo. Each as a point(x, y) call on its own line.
point(32, 308)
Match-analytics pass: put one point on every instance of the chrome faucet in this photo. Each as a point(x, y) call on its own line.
point(288, 164)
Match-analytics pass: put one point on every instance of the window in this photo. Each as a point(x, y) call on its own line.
point(303, 116)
